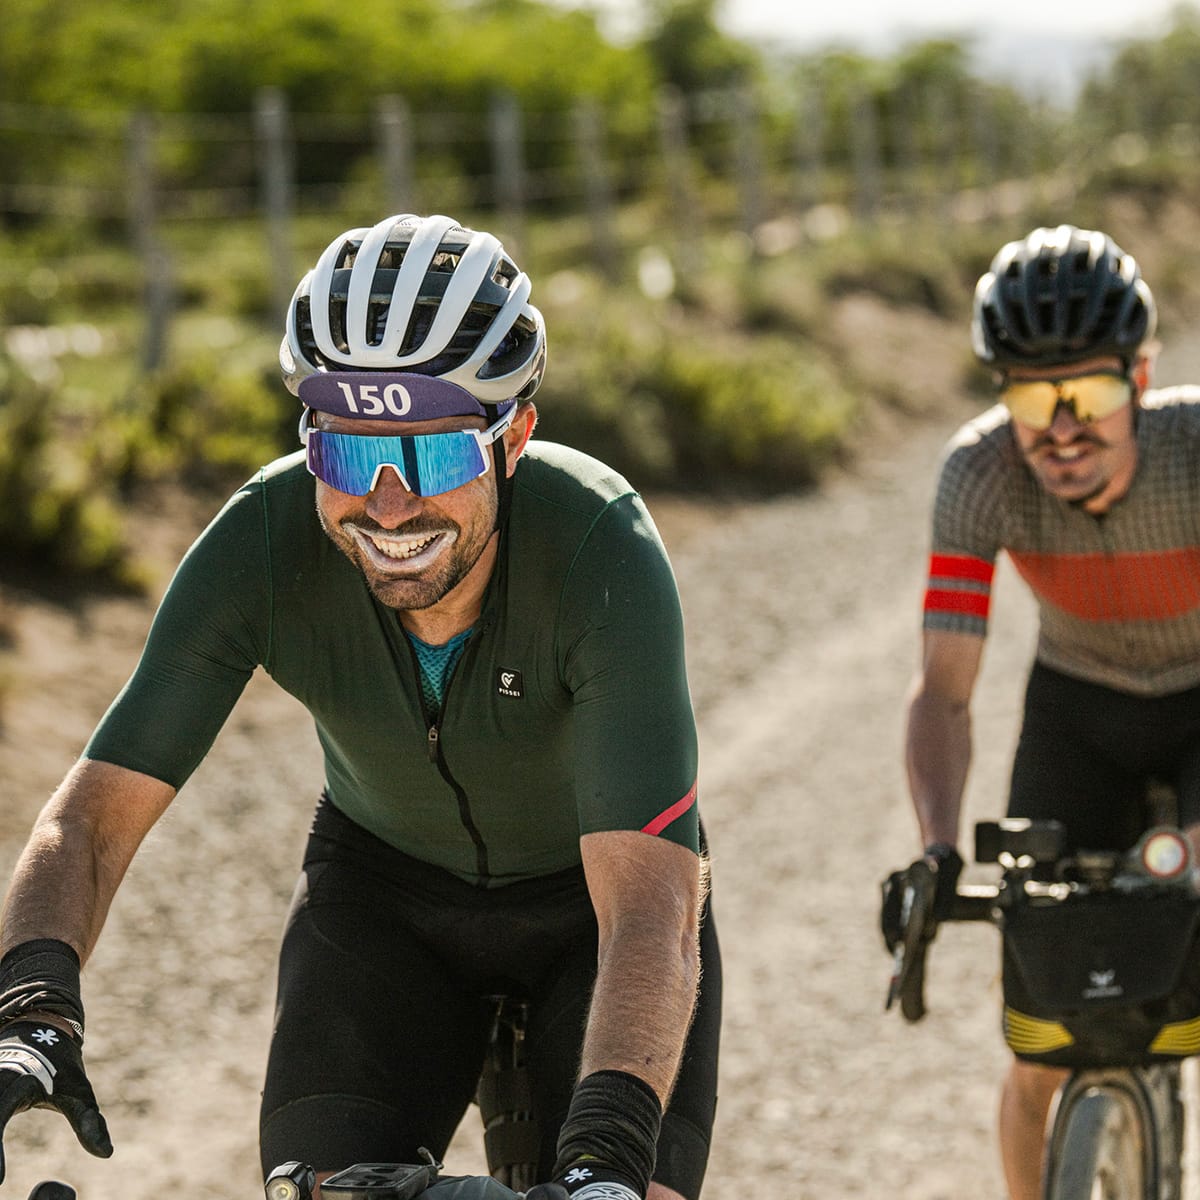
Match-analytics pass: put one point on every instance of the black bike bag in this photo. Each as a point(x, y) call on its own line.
point(1105, 979)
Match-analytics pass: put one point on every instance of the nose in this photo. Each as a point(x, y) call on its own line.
point(389, 502)
point(1065, 425)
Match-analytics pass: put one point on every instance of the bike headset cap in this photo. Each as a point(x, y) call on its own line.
point(423, 295)
point(1061, 296)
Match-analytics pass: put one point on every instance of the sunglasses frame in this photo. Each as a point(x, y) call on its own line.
point(483, 438)
point(1059, 386)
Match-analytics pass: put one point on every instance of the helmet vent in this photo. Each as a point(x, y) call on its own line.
point(504, 274)
point(391, 257)
point(445, 261)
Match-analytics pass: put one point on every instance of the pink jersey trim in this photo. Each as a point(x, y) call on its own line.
point(668, 815)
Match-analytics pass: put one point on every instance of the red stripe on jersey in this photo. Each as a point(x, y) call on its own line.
point(961, 566)
point(1153, 585)
point(973, 604)
point(668, 815)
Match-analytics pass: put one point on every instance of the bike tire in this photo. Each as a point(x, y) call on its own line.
point(1102, 1144)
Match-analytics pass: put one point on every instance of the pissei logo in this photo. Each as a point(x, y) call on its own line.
point(509, 683)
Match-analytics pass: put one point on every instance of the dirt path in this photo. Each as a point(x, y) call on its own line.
point(802, 618)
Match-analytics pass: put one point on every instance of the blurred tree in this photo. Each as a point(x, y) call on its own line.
point(446, 59)
point(1150, 88)
point(689, 51)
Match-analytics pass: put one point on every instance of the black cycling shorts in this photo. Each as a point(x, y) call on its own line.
point(1087, 752)
point(382, 1015)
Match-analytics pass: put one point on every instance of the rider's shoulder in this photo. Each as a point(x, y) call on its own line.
point(987, 437)
point(268, 496)
point(568, 479)
point(1178, 406)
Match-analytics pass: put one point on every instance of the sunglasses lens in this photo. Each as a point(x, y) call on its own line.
point(429, 464)
point(345, 463)
point(441, 462)
point(1091, 397)
point(1031, 403)
point(1097, 396)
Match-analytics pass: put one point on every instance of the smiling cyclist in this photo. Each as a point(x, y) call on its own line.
point(1091, 484)
point(487, 633)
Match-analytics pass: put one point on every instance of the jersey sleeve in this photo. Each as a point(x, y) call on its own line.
point(622, 650)
point(967, 531)
point(207, 637)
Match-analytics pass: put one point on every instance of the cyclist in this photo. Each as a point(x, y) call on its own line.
point(487, 633)
point(1091, 484)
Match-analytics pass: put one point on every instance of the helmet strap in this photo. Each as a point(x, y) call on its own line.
point(500, 463)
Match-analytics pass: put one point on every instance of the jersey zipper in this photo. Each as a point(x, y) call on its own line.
point(433, 746)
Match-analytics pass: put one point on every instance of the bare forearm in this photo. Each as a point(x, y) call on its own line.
point(641, 1008)
point(77, 854)
point(54, 892)
point(938, 759)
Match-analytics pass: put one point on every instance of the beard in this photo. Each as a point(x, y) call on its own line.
point(424, 586)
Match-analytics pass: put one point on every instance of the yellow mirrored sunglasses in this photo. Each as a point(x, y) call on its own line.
point(1034, 402)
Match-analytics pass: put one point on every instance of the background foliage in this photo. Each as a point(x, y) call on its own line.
point(696, 353)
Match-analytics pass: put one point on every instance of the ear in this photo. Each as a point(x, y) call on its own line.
point(517, 435)
point(1142, 371)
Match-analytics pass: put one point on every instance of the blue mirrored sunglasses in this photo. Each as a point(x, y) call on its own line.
point(427, 463)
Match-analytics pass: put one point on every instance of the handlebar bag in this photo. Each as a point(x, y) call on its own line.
point(1105, 979)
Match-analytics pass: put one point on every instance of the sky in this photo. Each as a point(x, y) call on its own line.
point(874, 22)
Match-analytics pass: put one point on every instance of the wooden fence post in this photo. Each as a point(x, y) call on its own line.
point(589, 137)
point(985, 151)
point(508, 166)
point(143, 229)
point(809, 144)
point(906, 155)
point(396, 153)
point(277, 193)
point(943, 135)
point(748, 160)
point(864, 137)
point(684, 208)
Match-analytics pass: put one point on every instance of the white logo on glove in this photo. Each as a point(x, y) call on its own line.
point(577, 1175)
point(605, 1191)
point(46, 1036)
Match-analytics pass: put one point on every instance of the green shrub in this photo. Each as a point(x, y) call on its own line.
point(54, 506)
point(672, 406)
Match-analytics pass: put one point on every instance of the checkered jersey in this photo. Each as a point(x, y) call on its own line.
point(1119, 594)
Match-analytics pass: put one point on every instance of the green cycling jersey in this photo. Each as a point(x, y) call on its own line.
point(567, 713)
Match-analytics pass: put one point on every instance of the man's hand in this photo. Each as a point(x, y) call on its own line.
point(42, 1067)
point(945, 864)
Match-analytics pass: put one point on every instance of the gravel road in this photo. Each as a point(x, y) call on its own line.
point(802, 620)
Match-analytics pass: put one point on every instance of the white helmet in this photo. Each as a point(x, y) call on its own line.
point(420, 295)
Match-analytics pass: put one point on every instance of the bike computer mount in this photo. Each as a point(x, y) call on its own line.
point(364, 1181)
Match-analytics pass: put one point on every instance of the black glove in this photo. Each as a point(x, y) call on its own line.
point(946, 864)
point(42, 1067)
point(547, 1191)
point(52, 1190)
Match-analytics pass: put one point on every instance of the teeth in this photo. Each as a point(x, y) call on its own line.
point(400, 550)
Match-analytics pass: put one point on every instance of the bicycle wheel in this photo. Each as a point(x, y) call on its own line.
point(1102, 1144)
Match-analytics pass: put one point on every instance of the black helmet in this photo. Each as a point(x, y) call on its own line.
point(419, 294)
point(1060, 296)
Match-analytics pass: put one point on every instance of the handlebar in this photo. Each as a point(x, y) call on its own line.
point(1021, 847)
